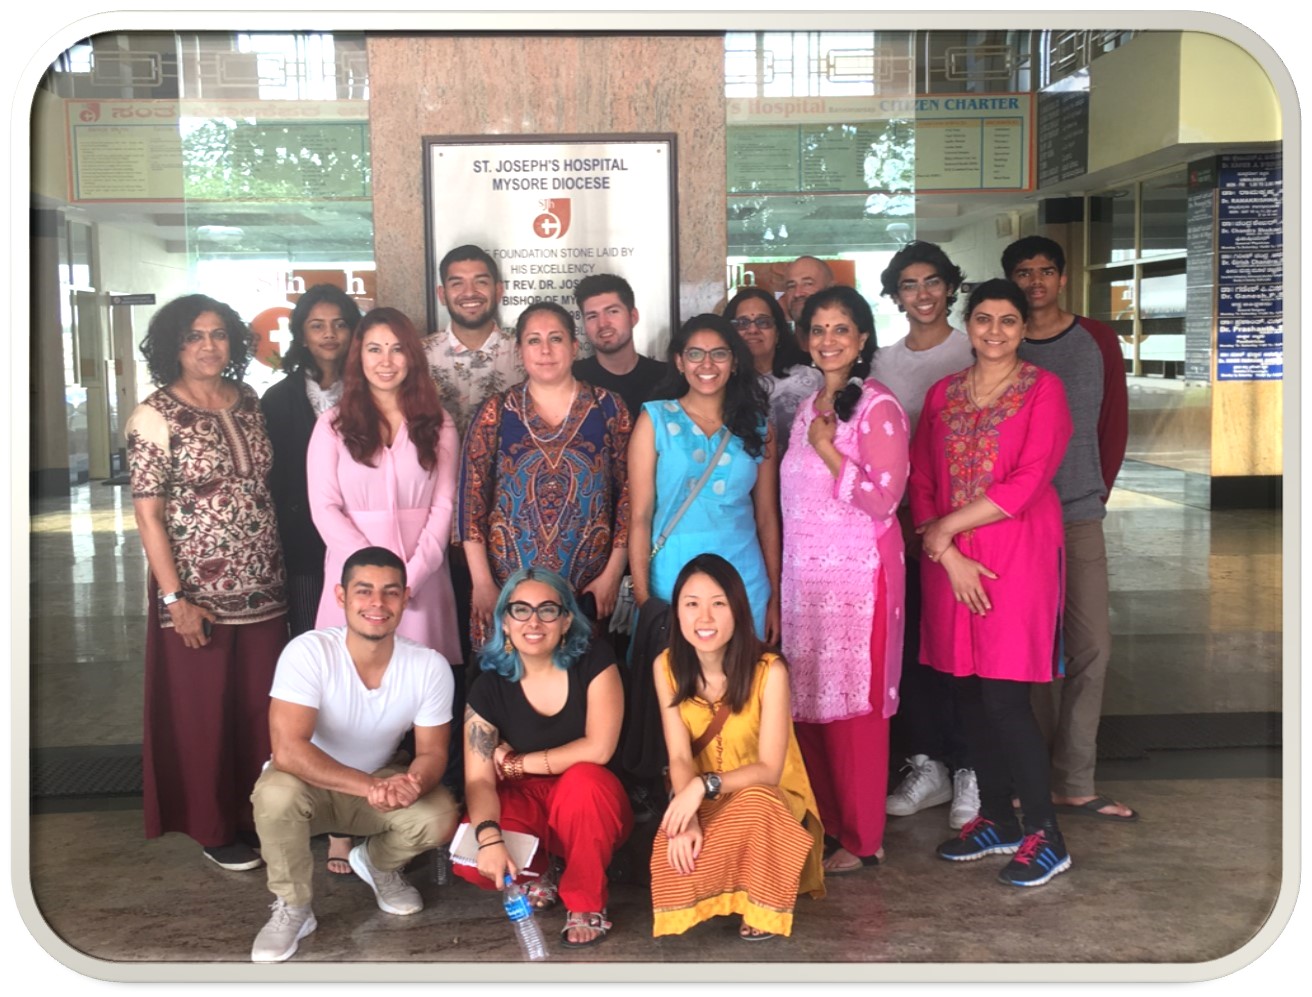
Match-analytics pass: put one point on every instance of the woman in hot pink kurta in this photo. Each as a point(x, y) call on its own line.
point(989, 441)
point(389, 500)
point(843, 575)
point(1008, 453)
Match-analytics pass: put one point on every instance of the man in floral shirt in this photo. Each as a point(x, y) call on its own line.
point(472, 358)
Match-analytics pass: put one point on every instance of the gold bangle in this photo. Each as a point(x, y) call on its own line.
point(547, 761)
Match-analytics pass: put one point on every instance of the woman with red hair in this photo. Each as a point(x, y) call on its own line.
point(382, 472)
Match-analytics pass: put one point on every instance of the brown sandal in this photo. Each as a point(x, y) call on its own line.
point(541, 894)
point(579, 919)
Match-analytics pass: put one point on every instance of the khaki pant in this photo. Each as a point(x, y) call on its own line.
point(289, 812)
point(1069, 709)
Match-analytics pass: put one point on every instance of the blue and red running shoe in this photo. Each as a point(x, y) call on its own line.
point(979, 838)
point(1041, 856)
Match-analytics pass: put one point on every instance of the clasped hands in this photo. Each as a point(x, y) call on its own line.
point(964, 574)
point(396, 792)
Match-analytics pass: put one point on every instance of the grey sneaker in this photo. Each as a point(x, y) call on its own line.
point(926, 785)
point(965, 799)
point(394, 894)
point(277, 940)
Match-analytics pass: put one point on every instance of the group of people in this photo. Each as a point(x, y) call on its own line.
point(325, 561)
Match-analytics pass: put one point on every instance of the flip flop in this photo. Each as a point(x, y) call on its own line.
point(1093, 808)
point(338, 865)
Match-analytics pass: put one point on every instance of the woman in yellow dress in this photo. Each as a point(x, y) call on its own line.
point(741, 834)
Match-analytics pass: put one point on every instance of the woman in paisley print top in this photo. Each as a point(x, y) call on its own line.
point(544, 480)
point(216, 607)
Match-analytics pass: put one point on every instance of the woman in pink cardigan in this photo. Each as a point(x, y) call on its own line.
point(382, 471)
point(843, 576)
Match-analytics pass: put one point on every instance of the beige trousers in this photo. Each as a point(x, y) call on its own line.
point(289, 812)
point(1069, 709)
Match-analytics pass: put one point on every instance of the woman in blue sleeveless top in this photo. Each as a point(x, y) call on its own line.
point(712, 394)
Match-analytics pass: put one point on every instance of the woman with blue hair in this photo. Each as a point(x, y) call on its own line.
point(539, 730)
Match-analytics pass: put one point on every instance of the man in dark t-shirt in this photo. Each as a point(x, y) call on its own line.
point(1086, 355)
point(606, 302)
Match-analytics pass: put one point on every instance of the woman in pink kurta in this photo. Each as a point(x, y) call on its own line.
point(843, 572)
point(989, 441)
point(388, 499)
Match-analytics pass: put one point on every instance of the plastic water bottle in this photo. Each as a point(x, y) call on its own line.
point(527, 930)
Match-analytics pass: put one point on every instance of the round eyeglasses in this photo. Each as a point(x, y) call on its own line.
point(761, 322)
point(695, 354)
point(548, 612)
point(932, 284)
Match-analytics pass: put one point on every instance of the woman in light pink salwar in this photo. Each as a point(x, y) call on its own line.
point(369, 483)
point(843, 576)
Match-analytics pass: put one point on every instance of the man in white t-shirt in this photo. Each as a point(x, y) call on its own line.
point(924, 283)
point(342, 699)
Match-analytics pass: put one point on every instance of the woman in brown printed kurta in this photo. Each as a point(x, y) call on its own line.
point(216, 606)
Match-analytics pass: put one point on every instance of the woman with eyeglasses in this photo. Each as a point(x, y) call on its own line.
point(784, 369)
point(707, 435)
point(544, 482)
point(541, 726)
point(199, 458)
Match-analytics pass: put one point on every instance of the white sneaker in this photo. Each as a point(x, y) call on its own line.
point(926, 785)
point(965, 799)
point(277, 940)
point(394, 894)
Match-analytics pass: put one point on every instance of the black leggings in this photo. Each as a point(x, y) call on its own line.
point(1007, 748)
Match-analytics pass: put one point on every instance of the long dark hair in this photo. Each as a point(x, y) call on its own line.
point(298, 355)
point(858, 310)
point(172, 322)
point(746, 404)
point(744, 649)
point(358, 421)
point(787, 352)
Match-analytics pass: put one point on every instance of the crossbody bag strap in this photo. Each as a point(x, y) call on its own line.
point(717, 724)
point(696, 490)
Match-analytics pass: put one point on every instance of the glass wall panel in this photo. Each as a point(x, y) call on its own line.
point(1163, 212)
point(1111, 226)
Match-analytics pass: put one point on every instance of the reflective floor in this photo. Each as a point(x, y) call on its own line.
point(1196, 616)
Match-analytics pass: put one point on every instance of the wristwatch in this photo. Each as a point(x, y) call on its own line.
point(172, 597)
point(712, 783)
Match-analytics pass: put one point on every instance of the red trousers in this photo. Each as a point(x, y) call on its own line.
point(847, 760)
point(206, 729)
point(582, 815)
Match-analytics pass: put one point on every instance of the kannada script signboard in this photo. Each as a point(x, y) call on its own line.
point(1250, 320)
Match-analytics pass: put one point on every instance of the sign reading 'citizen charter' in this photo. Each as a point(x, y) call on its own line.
point(552, 210)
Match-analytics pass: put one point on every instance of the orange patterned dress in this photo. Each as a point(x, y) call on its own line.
point(761, 845)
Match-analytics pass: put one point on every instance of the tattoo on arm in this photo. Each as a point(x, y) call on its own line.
point(482, 738)
point(469, 712)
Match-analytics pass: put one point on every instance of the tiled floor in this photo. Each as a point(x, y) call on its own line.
point(1197, 621)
